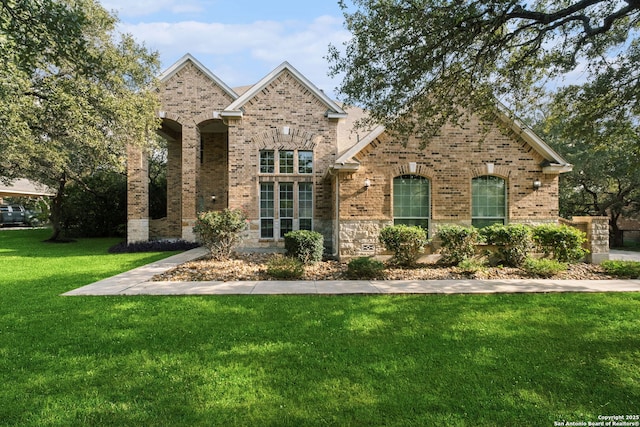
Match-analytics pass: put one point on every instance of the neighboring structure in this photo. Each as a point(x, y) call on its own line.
point(291, 157)
point(23, 188)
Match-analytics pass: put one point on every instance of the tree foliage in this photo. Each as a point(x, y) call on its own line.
point(413, 63)
point(602, 140)
point(73, 93)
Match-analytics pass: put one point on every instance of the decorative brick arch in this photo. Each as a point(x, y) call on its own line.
point(164, 114)
point(420, 170)
point(295, 138)
point(487, 169)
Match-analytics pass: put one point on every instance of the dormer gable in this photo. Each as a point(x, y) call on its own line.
point(188, 58)
point(334, 111)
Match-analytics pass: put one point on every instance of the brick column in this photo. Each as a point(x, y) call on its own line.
point(190, 165)
point(137, 195)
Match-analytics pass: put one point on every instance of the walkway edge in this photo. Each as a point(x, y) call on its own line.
point(138, 282)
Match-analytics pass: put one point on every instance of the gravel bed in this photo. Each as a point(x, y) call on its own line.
point(253, 266)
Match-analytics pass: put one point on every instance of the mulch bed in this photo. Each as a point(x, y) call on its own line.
point(253, 266)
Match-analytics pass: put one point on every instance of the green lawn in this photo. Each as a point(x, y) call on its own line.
point(463, 360)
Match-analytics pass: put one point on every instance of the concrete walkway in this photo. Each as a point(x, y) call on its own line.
point(137, 282)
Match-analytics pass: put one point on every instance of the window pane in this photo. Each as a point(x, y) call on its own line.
point(266, 200)
point(488, 201)
point(267, 161)
point(305, 200)
point(266, 210)
point(305, 161)
point(286, 200)
point(286, 161)
point(286, 225)
point(410, 196)
point(266, 228)
point(306, 224)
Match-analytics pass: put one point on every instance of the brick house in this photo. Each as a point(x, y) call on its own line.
point(288, 155)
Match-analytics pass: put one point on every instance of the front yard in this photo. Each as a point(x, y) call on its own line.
point(526, 359)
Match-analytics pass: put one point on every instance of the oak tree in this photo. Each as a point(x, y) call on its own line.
point(73, 93)
point(414, 63)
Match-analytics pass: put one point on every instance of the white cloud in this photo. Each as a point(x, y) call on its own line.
point(241, 54)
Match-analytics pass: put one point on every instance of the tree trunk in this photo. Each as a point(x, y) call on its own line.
point(616, 235)
point(56, 210)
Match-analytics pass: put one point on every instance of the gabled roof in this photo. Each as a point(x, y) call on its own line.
point(554, 162)
point(180, 63)
point(24, 187)
point(333, 110)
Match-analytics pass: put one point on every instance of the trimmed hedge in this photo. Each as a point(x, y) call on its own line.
point(458, 243)
point(514, 242)
point(406, 243)
point(307, 246)
point(561, 242)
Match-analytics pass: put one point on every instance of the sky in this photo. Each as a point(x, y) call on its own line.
point(240, 41)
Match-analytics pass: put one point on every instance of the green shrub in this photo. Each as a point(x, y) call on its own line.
point(561, 242)
point(513, 242)
point(544, 267)
point(220, 231)
point(406, 242)
point(305, 245)
point(365, 268)
point(458, 243)
point(284, 267)
point(623, 269)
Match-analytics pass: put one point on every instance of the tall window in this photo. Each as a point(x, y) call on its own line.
point(286, 200)
point(305, 205)
point(488, 201)
point(286, 207)
point(267, 204)
point(411, 201)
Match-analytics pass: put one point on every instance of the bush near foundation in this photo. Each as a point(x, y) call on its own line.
point(514, 242)
point(561, 242)
point(406, 242)
point(220, 231)
point(307, 246)
point(458, 243)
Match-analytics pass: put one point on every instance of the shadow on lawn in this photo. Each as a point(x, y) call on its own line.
point(308, 360)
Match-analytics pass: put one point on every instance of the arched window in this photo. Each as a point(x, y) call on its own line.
point(489, 201)
point(411, 201)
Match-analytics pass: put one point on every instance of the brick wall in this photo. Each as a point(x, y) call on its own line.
point(450, 161)
point(283, 103)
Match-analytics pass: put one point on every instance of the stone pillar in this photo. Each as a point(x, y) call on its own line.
point(190, 165)
point(137, 195)
point(597, 237)
point(597, 230)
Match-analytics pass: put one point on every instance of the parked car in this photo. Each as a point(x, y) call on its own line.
point(17, 215)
